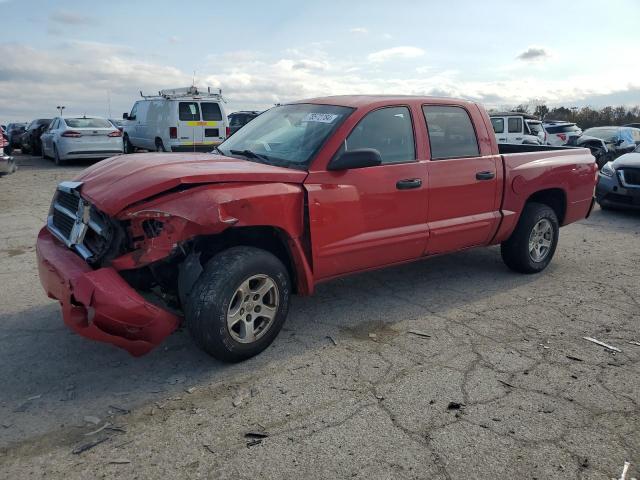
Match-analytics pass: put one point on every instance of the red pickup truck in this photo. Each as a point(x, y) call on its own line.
point(306, 192)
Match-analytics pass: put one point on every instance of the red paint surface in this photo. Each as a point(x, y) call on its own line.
point(357, 220)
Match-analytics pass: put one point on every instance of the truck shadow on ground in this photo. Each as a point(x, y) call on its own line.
point(47, 368)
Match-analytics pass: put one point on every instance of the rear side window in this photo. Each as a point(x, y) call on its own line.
point(515, 125)
point(389, 131)
point(498, 125)
point(188, 111)
point(211, 111)
point(451, 132)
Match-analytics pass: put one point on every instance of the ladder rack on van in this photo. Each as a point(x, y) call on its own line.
point(191, 92)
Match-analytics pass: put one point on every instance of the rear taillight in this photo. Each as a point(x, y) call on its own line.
point(72, 134)
point(115, 133)
point(562, 137)
point(173, 132)
point(228, 132)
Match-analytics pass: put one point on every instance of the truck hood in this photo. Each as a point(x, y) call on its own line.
point(118, 182)
point(627, 160)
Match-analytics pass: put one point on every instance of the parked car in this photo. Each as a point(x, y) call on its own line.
point(536, 128)
point(7, 162)
point(560, 132)
point(619, 182)
point(81, 137)
point(30, 140)
point(511, 127)
point(177, 120)
point(15, 132)
point(305, 193)
point(608, 143)
point(237, 120)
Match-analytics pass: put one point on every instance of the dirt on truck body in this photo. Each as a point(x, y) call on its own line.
point(305, 193)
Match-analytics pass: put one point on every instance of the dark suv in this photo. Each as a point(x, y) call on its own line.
point(30, 141)
point(15, 132)
point(237, 120)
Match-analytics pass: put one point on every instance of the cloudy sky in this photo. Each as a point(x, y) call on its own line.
point(89, 55)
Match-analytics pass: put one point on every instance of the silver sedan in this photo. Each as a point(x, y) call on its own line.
point(81, 137)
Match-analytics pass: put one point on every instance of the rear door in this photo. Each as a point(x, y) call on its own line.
point(370, 217)
point(48, 136)
point(188, 122)
point(464, 192)
point(213, 125)
point(500, 129)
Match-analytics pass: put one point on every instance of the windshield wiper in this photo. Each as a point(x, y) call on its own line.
point(250, 154)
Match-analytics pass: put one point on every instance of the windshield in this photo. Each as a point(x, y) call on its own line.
point(606, 134)
point(535, 127)
point(87, 123)
point(287, 135)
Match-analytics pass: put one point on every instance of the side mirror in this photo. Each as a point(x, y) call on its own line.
point(361, 158)
point(125, 116)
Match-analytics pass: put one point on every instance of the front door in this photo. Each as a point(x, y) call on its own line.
point(375, 216)
point(464, 190)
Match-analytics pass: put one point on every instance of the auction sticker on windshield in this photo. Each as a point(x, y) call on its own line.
point(320, 117)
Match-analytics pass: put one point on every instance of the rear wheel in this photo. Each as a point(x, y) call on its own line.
point(127, 146)
point(532, 244)
point(239, 304)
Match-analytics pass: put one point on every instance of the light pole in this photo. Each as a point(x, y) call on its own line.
point(61, 108)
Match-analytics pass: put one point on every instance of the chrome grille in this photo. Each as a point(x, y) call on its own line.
point(630, 177)
point(77, 223)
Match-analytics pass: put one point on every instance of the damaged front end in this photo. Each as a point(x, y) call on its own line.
point(123, 279)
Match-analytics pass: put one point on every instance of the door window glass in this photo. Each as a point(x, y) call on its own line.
point(188, 111)
point(211, 111)
point(389, 131)
point(451, 132)
point(498, 125)
point(515, 125)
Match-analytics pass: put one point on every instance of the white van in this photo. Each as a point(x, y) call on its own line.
point(514, 127)
point(176, 120)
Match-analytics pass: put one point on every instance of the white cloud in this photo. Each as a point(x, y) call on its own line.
point(65, 17)
point(395, 52)
point(359, 30)
point(174, 39)
point(534, 54)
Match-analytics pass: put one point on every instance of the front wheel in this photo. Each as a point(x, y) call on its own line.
point(239, 304)
point(532, 244)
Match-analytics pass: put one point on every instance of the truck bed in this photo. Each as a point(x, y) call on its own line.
point(515, 148)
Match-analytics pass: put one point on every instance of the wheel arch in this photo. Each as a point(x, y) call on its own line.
point(554, 198)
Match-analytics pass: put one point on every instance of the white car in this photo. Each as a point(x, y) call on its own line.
point(176, 120)
point(559, 132)
point(80, 137)
point(512, 127)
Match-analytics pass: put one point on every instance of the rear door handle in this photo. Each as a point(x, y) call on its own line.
point(485, 175)
point(408, 183)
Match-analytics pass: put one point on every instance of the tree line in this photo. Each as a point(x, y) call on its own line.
point(585, 117)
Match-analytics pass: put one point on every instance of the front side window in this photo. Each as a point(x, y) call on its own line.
point(451, 133)
point(286, 135)
point(134, 110)
point(515, 125)
point(211, 111)
point(498, 125)
point(389, 131)
point(188, 111)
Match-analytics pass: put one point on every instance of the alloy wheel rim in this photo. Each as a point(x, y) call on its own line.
point(253, 309)
point(540, 240)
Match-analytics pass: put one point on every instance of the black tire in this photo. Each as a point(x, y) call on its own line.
point(44, 155)
point(127, 147)
point(208, 304)
point(515, 251)
point(159, 145)
point(56, 156)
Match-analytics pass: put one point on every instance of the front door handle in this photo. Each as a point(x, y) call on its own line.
point(408, 183)
point(485, 175)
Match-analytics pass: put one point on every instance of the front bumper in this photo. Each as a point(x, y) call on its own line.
point(610, 192)
point(99, 304)
point(7, 164)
